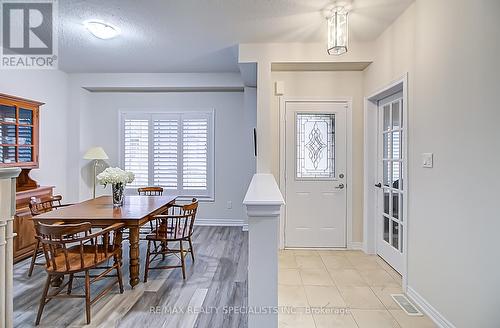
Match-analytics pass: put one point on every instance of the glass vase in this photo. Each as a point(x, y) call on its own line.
point(118, 189)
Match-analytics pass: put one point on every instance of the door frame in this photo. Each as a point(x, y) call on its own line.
point(370, 169)
point(282, 158)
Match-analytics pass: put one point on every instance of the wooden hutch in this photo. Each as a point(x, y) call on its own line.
point(19, 145)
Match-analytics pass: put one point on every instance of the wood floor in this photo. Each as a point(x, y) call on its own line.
point(215, 281)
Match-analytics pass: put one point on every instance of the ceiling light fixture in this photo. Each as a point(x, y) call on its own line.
point(338, 28)
point(101, 29)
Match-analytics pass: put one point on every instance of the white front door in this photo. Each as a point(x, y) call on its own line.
point(315, 174)
point(392, 186)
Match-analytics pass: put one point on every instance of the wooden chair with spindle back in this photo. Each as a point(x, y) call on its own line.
point(73, 248)
point(38, 206)
point(175, 226)
point(150, 191)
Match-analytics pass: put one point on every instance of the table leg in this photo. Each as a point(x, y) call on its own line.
point(134, 255)
point(118, 243)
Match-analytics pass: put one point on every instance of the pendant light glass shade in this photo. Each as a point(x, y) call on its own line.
point(338, 31)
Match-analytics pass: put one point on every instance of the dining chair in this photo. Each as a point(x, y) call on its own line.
point(148, 191)
point(38, 206)
point(175, 226)
point(71, 249)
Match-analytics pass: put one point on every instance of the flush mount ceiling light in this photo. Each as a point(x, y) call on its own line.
point(101, 30)
point(338, 27)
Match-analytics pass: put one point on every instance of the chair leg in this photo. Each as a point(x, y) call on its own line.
point(163, 249)
point(70, 284)
point(43, 300)
point(146, 267)
point(152, 229)
point(191, 248)
point(33, 258)
point(182, 260)
point(87, 296)
point(119, 274)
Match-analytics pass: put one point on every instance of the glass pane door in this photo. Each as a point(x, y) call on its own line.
point(390, 245)
point(392, 171)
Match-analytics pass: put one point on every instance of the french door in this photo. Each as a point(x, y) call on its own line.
point(315, 174)
point(392, 185)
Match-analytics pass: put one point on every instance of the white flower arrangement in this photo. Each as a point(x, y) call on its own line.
point(115, 175)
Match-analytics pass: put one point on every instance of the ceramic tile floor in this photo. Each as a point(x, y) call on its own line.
point(352, 288)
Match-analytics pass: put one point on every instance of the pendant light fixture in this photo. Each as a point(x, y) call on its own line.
point(338, 28)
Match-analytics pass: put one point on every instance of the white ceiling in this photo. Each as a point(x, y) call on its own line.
point(199, 35)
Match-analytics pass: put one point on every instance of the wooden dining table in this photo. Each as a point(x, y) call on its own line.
point(135, 212)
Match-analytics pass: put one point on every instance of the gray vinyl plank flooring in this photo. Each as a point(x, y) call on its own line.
point(215, 283)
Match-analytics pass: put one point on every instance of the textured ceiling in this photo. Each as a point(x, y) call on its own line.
point(199, 35)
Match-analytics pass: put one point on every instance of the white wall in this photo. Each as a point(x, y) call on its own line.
point(455, 206)
point(264, 55)
point(74, 119)
point(50, 87)
point(394, 56)
point(327, 85)
point(267, 115)
point(451, 50)
point(234, 160)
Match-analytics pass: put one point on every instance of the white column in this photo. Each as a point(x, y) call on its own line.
point(263, 202)
point(7, 209)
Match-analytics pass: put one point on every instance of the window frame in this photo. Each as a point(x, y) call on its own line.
point(150, 115)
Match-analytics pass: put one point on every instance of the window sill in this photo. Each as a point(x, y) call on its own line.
point(203, 199)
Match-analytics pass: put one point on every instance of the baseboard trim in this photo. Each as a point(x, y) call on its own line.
point(220, 222)
point(428, 309)
point(355, 245)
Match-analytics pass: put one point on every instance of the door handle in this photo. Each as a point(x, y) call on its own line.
point(378, 185)
point(340, 186)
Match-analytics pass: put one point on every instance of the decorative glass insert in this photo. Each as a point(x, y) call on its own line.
point(315, 145)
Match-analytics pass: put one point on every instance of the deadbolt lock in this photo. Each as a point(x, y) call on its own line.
point(341, 175)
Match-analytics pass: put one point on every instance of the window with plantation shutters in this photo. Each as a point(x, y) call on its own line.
point(165, 153)
point(195, 153)
point(135, 149)
point(173, 151)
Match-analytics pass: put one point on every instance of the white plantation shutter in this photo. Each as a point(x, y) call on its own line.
point(195, 153)
point(165, 149)
point(173, 151)
point(135, 144)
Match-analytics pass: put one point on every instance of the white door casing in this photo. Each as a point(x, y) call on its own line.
point(391, 167)
point(315, 174)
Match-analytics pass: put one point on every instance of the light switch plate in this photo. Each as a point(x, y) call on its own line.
point(279, 88)
point(427, 160)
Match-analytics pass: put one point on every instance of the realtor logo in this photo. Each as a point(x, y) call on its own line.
point(28, 34)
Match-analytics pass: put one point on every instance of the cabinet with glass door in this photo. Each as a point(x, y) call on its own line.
point(18, 132)
point(19, 144)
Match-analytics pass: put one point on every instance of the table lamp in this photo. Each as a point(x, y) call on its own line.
point(95, 154)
